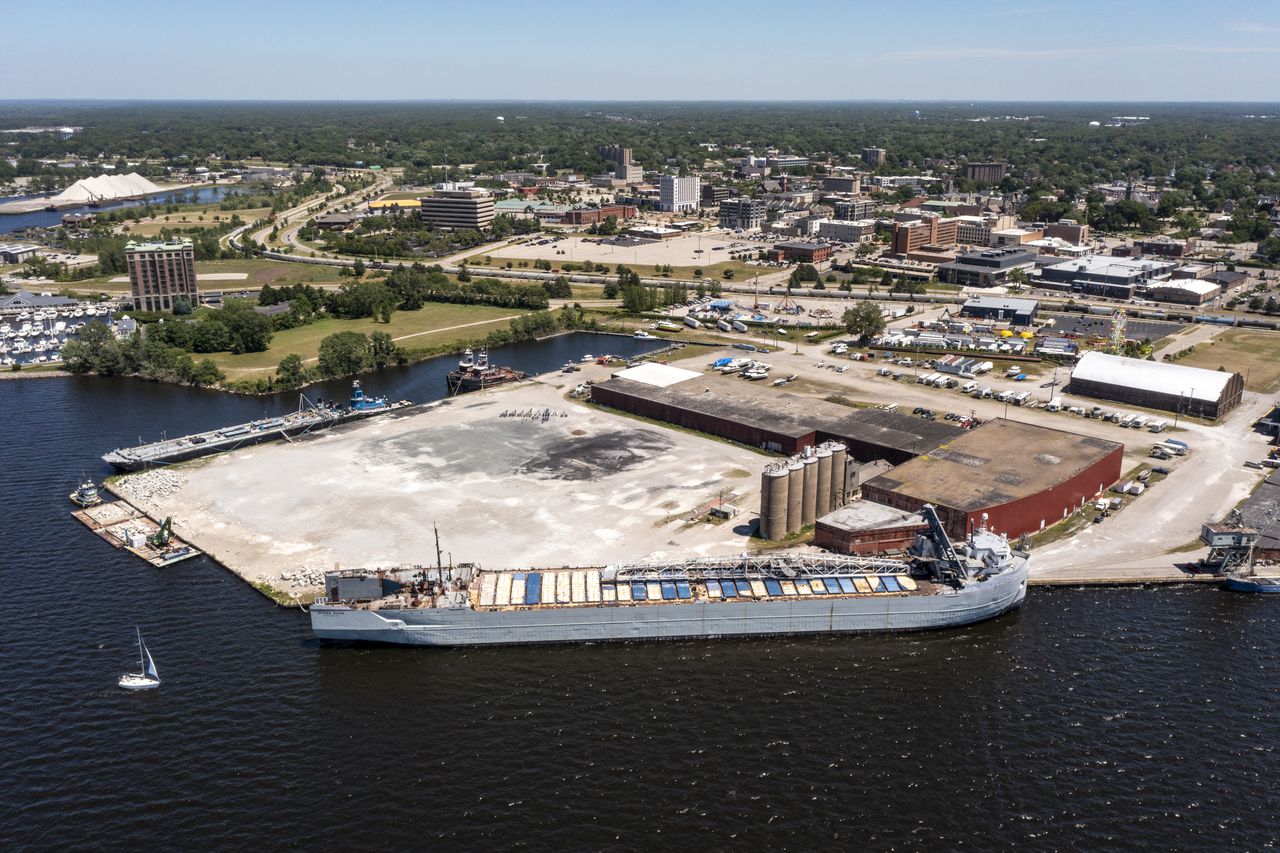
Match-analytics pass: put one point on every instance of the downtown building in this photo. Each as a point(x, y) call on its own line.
point(457, 208)
point(160, 274)
point(679, 195)
point(745, 213)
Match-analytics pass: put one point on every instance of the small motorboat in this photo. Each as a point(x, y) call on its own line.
point(86, 495)
point(148, 679)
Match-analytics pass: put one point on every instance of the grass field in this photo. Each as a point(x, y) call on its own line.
point(1255, 354)
point(259, 271)
point(190, 218)
point(430, 326)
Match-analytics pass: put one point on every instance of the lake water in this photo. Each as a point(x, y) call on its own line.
point(1090, 719)
point(53, 218)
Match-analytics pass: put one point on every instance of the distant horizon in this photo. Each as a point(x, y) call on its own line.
point(513, 100)
point(1014, 51)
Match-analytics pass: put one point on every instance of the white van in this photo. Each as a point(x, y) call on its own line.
point(968, 387)
point(1055, 405)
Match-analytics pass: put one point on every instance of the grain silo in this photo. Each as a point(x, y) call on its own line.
point(824, 479)
point(839, 474)
point(773, 502)
point(809, 504)
point(795, 491)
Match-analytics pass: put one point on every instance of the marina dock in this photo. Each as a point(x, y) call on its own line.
point(125, 526)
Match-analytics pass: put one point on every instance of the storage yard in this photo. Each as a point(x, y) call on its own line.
point(513, 477)
point(525, 476)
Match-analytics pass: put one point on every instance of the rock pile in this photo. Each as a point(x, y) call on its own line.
point(153, 485)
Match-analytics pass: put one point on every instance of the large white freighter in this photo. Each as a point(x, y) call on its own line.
point(939, 586)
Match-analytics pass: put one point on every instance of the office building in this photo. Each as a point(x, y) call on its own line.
point(625, 169)
point(928, 230)
point(855, 209)
point(160, 273)
point(713, 194)
point(786, 161)
point(986, 268)
point(678, 195)
point(858, 231)
point(1069, 230)
point(842, 184)
point(458, 208)
point(1099, 269)
point(745, 213)
point(801, 251)
point(1002, 309)
point(986, 173)
point(873, 157)
point(1167, 247)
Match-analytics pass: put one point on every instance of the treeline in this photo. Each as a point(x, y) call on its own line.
point(236, 328)
point(1051, 143)
point(96, 350)
point(403, 235)
point(350, 353)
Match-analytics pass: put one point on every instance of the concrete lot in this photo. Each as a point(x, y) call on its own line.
point(580, 487)
point(677, 251)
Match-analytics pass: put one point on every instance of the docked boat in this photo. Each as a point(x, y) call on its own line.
point(474, 373)
point(312, 418)
point(148, 678)
point(642, 335)
point(668, 327)
point(86, 495)
point(1253, 583)
point(764, 594)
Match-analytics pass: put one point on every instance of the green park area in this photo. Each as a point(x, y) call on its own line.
point(256, 271)
point(431, 326)
point(1249, 353)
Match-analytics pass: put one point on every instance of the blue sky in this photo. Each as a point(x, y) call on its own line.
point(1172, 50)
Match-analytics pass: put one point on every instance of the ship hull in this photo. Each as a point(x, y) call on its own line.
point(123, 460)
point(975, 602)
point(1253, 584)
point(464, 383)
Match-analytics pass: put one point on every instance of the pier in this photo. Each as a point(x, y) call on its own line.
point(125, 526)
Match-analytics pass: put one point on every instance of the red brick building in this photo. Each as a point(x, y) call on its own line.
point(593, 215)
point(1023, 477)
point(801, 251)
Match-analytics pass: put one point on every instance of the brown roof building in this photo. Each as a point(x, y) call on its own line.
point(1022, 477)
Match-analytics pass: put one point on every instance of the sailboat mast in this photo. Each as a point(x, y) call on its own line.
point(142, 658)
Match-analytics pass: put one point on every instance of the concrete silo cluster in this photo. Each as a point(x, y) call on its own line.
point(795, 492)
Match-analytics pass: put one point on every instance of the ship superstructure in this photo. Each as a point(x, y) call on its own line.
point(474, 373)
point(771, 593)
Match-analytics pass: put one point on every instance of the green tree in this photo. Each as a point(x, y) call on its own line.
point(382, 349)
point(357, 269)
point(94, 351)
point(343, 353)
point(863, 320)
point(291, 372)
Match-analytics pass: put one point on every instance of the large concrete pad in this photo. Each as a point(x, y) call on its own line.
point(514, 477)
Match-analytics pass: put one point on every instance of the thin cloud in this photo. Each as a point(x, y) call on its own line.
point(1253, 27)
point(1005, 53)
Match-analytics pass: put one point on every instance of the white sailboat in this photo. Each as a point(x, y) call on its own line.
point(148, 678)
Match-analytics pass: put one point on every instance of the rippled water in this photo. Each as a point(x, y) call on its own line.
point(1089, 719)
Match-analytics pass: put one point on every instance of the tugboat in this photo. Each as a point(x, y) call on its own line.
point(475, 373)
point(87, 495)
point(361, 403)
